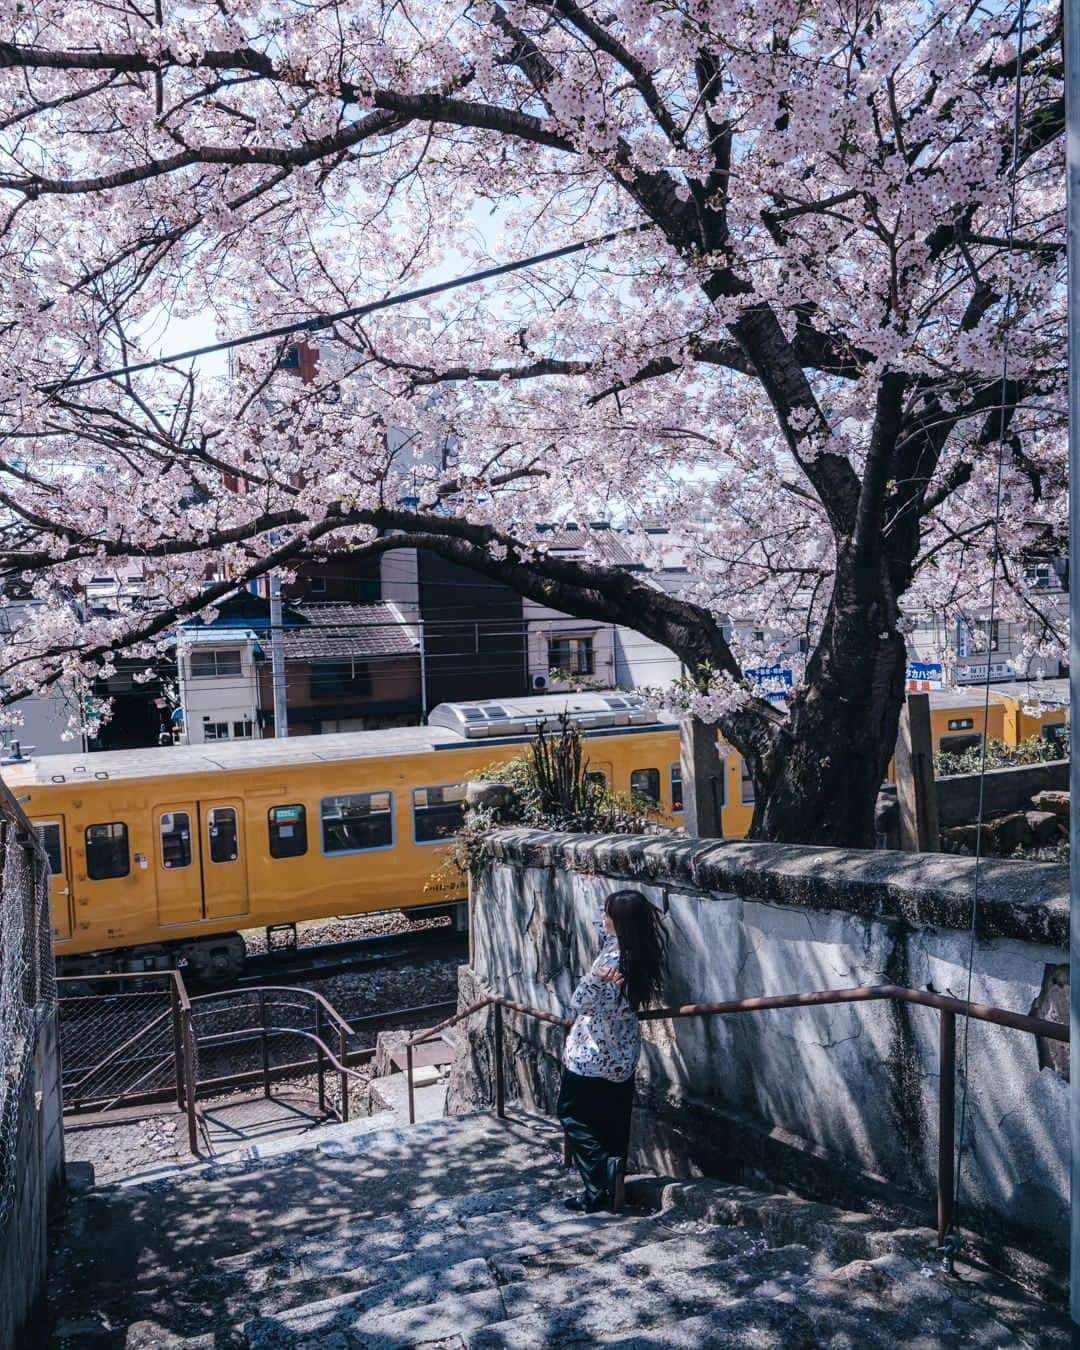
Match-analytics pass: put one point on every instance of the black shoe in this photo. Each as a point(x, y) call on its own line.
point(581, 1204)
point(616, 1185)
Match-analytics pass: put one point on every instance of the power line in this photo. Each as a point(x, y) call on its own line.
point(320, 321)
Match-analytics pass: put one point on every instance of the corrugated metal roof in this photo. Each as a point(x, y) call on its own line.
point(343, 631)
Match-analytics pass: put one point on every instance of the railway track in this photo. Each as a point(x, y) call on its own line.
point(342, 958)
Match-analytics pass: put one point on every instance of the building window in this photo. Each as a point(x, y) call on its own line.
point(242, 730)
point(357, 821)
point(747, 791)
point(337, 679)
point(988, 640)
point(572, 655)
point(207, 662)
point(224, 836)
point(175, 839)
point(107, 851)
point(289, 359)
point(317, 585)
point(288, 831)
point(1039, 575)
point(676, 788)
point(958, 745)
point(49, 835)
point(438, 813)
point(645, 783)
point(215, 731)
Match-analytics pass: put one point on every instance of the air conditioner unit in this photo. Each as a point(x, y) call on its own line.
point(540, 682)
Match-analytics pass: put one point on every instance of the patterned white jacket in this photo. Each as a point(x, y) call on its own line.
point(605, 1040)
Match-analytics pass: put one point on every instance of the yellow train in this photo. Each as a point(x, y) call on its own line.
point(162, 857)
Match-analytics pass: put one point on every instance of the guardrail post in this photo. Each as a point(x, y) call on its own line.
point(500, 1081)
point(188, 1036)
point(263, 1044)
point(946, 1123)
point(343, 1051)
point(178, 1042)
point(409, 1085)
point(319, 1069)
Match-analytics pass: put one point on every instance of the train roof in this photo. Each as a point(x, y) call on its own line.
point(1049, 693)
point(450, 726)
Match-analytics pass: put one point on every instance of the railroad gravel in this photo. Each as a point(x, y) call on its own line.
point(347, 928)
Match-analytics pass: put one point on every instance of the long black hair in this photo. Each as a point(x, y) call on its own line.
point(639, 930)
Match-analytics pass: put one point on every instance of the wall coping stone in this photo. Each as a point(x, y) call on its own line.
point(1027, 901)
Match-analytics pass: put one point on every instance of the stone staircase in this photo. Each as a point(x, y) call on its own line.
point(452, 1235)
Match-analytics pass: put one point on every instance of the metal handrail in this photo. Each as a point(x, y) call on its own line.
point(328, 1008)
point(950, 1008)
point(183, 1052)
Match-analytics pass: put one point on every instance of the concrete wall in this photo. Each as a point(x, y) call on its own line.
point(39, 1172)
point(958, 794)
point(840, 1102)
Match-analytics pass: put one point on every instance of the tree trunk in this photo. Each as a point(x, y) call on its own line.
point(819, 781)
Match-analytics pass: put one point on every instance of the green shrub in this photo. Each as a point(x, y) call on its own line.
point(1036, 750)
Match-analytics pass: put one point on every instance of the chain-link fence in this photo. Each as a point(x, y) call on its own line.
point(27, 987)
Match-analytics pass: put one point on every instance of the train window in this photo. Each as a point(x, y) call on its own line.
point(438, 813)
point(288, 831)
point(175, 839)
point(957, 745)
point(357, 821)
point(961, 723)
point(49, 835)
point(224, 837)
point(107, 851)
point(645, 783)
point(1056, 732)
point(747, 791)
point(676, 787)
point(597, 776)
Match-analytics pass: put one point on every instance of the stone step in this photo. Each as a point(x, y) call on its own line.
point(120, 1239)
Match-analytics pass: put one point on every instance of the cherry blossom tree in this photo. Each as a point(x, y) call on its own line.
point(823, 334)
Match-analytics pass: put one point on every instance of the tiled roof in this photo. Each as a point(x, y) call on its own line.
point(336, 631)
point(603, 544)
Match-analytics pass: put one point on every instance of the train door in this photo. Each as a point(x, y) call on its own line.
point(179, 871)
point(224, 849)
point(51, 834)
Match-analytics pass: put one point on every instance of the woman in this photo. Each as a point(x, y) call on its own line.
point(602, 1049)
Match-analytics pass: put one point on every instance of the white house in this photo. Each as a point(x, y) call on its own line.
point(219, 686)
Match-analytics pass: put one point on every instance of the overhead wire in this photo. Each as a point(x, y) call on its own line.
point(952, 1238)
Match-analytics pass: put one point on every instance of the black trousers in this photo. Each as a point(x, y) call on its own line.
point(595, 1113)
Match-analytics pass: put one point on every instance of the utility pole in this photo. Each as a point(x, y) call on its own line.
point(916, 794)
point(703, 779)
point(277, 658)
point(1072, 153)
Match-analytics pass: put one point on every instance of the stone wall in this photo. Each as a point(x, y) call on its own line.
point(841, 1101)
point(1005, 790)
point(39, 1169)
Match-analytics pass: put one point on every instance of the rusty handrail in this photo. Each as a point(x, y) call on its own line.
point(183, 1051)
point(950, 1008)
point(328, 1008)
point(894, 993)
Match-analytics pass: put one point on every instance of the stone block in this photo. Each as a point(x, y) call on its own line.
point(1044, 826)
point(1010, 832)
point(1057, 802)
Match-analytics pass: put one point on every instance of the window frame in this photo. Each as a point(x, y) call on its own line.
point(40, 826)
point(440, 787)
point(270, 822)
point(174, 867)
point(215, 654)
point(211, 812)
point(675, 776)
point(658, 800)
point(576, 645)
point(105, 824)
point(375, 848)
